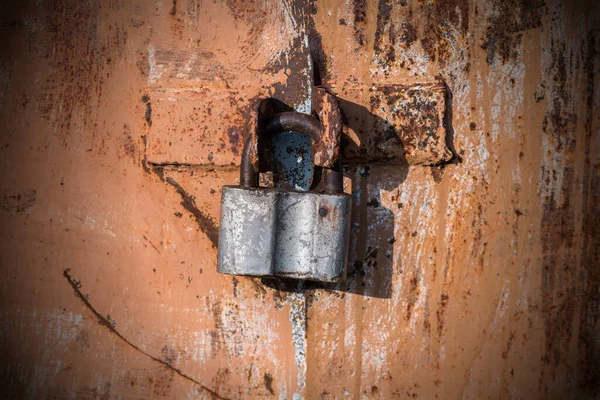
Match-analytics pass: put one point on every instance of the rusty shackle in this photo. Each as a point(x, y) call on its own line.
point(331, 179)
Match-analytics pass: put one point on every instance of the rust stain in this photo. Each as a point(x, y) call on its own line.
point(148, 111)
point(505, 29)
point(82, 58)
point(129, 148)
point(439, 20)
point(325, 105)
point(269, 382)
point(385, 53)
point(360, 20)
point(18, 202)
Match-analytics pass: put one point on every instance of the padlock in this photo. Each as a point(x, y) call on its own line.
point(275, 232)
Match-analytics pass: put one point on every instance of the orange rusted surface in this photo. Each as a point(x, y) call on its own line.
point(400, 124)
point(122, 120)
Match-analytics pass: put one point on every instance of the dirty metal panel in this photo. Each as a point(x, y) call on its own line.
point(403, 123)
point(197, 43)
point(195, 127)
point(475, 279)
point(398, 123)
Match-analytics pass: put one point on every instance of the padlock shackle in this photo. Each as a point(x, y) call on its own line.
point(248, 177)
point(294, 121)
point(279, 123)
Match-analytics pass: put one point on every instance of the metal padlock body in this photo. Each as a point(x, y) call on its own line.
point(284, 233)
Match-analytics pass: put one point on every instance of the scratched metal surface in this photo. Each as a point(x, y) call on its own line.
point(287, 234)
point(477, 278)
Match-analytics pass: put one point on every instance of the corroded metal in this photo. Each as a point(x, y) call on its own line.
point(325, 105)
point(478, 279)
point(417, 115)
point(269, 117)
point(403, 123)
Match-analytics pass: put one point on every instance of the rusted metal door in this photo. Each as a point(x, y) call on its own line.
point(474, 277)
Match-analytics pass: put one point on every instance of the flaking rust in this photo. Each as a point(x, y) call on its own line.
point(325, 105)
point(398, 123)
point(417, 116)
